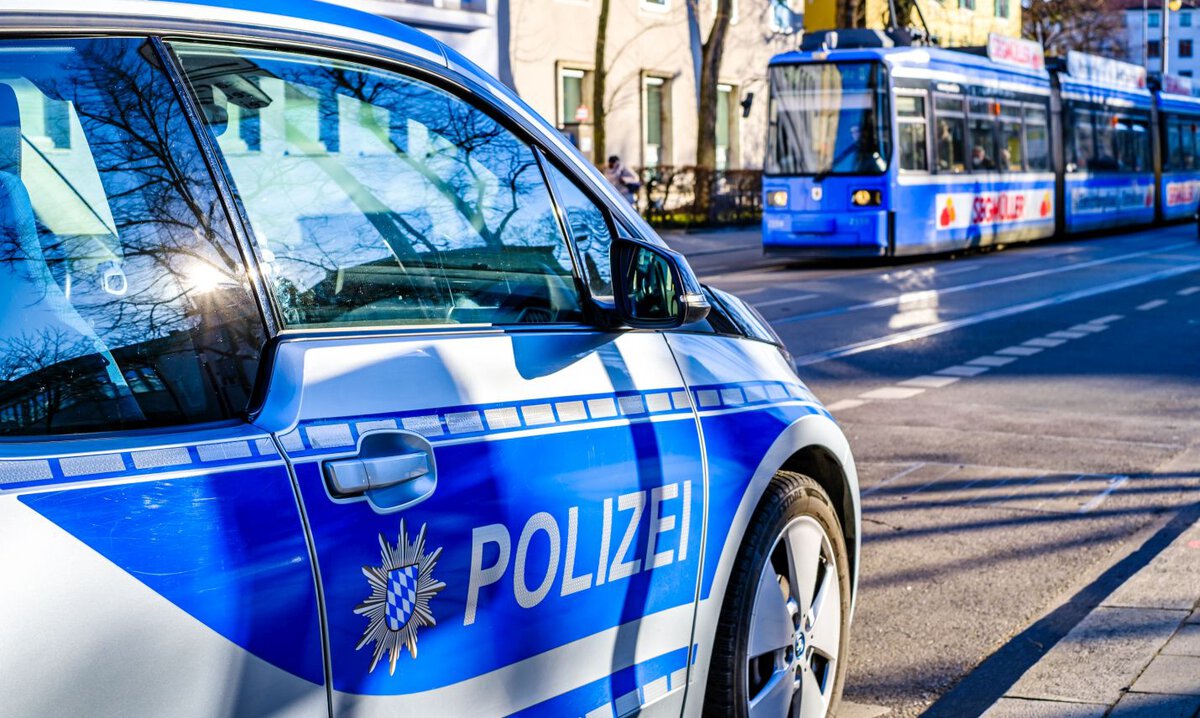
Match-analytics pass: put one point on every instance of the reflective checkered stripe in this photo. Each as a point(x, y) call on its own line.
point(451, 423)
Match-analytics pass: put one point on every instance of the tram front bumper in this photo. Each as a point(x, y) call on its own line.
point(850, 233)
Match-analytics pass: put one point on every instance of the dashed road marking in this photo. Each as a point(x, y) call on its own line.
point(971, 320)
point(1089, 327)
point(961, 370)
point(1020, 351)
point(1113, 485)
point(929, 381)
point(1066, 335)
point(1151, 305)
point(844, 404)
point(891, 392)
point(991, 361)
point(1044, 343)
point(1107, 319)
point(1188, 292)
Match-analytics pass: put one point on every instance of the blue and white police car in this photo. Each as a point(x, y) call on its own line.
point(334, 382)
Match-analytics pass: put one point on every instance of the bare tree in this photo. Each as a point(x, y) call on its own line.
point(711, 53)
point(1092, 26)
point(599, 78)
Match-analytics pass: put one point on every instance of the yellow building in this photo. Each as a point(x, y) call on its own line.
point(954, 23)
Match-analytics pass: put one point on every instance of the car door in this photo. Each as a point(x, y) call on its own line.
point(506, 503)
point(151, 547)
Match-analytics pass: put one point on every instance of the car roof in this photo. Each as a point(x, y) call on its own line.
point(297, 17)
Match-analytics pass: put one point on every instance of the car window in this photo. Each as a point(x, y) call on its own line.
point(589, 230)
point(380, 199)
point(123, 301)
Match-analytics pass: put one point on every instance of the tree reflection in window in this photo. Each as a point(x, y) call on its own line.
point(380, 198)
point(123, 302)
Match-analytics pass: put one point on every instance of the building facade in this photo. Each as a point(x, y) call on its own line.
point(954, 23)
point(651, 92)
point(1143, 37)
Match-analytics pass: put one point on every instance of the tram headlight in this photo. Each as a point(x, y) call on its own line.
point(866, 198)
point(777, 198)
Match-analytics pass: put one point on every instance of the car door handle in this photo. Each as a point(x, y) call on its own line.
point(349, 477)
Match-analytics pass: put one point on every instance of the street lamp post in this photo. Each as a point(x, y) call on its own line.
point(1168, 7)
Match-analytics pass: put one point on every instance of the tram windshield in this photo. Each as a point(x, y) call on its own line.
point(828, 119)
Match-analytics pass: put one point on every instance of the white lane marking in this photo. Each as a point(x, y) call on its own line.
point(891, 392)
point(1188, 292)
point(991, 361)
point(1088, 328)
point(1151, 305)
point(933, 294)
point(929, 381)
point(844, 404)
point(961, 370)
point(892, 478)
point(947, 326)
point(1044, 343)
point(1020, 351)
point(787, 300)
point(1115, 483)
point(1108, 319)
point(1066, 335)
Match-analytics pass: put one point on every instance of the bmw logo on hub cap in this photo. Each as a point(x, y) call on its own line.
point(401, 587)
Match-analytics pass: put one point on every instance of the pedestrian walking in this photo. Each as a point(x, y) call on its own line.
point(624, 179)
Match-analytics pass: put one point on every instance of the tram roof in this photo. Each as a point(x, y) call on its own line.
point(932, 58)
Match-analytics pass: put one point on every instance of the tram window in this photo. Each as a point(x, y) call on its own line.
point(1172, 160)
point(1037, 147)
point(910, 113)
point(1107, 152)
point(1135, 147)
point(1010, 157)
point(1082, 146)
point(1186, 154)
point(983, 144)
point(949, 104)
point(951, 145)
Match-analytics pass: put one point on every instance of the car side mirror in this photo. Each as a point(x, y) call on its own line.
point(654, 287)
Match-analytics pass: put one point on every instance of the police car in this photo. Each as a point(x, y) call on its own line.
point(333, 381)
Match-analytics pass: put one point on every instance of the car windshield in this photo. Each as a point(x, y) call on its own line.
point(828, 119)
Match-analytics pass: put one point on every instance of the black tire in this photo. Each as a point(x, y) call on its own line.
point(788, 497)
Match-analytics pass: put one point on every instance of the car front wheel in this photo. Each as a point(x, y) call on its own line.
point(782, 634)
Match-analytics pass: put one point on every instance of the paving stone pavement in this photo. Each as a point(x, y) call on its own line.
point(1137, 655)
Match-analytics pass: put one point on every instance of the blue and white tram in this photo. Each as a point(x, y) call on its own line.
point(1108, 169)
point(901, 150)
point(885, 151)
point(1178, 120)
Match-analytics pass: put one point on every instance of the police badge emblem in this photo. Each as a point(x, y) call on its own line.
point(401, 588)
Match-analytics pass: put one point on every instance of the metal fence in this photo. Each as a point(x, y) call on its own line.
point(668, 197)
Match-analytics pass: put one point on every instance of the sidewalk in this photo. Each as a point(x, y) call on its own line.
point(1137, 655)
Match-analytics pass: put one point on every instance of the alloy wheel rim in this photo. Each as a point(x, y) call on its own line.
point(796, 625)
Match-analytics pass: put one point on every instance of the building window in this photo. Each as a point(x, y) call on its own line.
point(656, 117)
point(727, 132)
point(659, 5)
point(575, 106)
point(966, 4)
point(782, 18)
point(1154, 48)
point(1185, 48)
point(1185, 73)
point(1001, 8)
point(1153, 19)
point(1185, 19)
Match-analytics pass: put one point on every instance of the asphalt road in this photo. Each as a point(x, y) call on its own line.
point(1022, 421)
